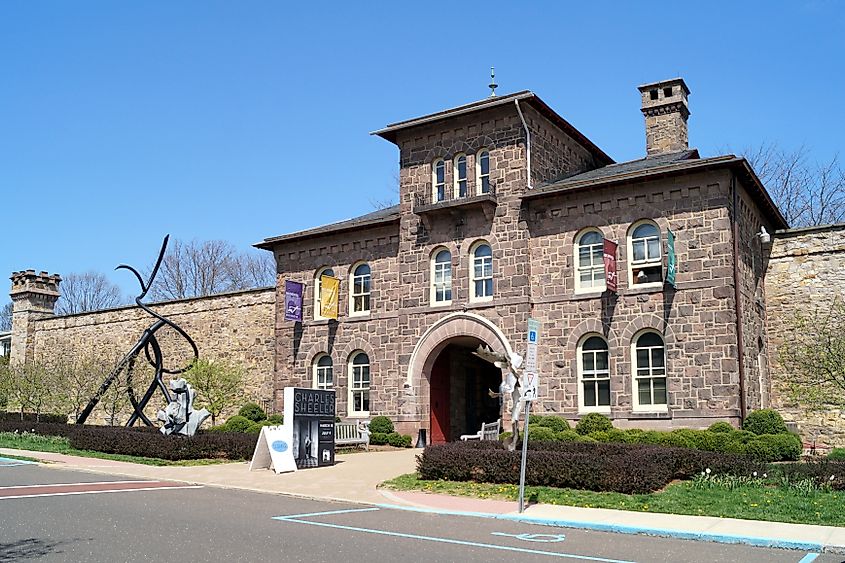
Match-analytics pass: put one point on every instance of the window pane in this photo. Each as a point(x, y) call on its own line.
point(462, 167)
point(644, 388)
point(645, 230)
point(483, 250)
point(485, 185)
point(650, 339)
point(586, 278)
point(591, 237)
point(484, 161)
point(654, 249)
point(448, 295)
point(659, 391)
point(365, 401)
point(584, 257)
point(642, 358)
point(443, 257)
point(601, 361)
point(604, 393)
point(488, 288)
point(479, 288)
point(657, 357)
point(462, 188)
point(366, 303)
point(589, 361)
point(638, 246)
point(589, 394)
point(594, 343)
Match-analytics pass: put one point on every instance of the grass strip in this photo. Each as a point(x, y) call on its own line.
point(60, 445)
point(768, 503)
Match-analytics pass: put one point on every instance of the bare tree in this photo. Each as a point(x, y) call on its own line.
point(90, 291)
point(807, 193)
point(199, 268)
point(6, 317)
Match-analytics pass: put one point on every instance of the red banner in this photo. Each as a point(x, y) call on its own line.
point(610, 277)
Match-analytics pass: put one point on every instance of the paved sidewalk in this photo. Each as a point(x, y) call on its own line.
point(356, 476)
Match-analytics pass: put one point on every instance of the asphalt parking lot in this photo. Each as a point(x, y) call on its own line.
point(63, 515)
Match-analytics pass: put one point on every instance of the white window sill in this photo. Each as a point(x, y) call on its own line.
point(360, 314)
point(481, 299)
point(358, 415)
point(595, 291)
point(588, 410)
point(649, 409)
point(440, 303)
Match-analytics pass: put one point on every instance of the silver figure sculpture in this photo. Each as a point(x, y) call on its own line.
point(513, 385)
point(179, 417)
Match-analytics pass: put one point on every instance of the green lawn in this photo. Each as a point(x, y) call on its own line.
point(751, 502)
point(56, 444)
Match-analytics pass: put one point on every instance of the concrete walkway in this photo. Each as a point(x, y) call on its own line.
point(356, 476)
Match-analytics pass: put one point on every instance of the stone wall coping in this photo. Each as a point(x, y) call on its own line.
point(797, 231)
point(171, 302)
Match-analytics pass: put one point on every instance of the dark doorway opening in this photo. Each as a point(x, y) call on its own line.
point(460, 381)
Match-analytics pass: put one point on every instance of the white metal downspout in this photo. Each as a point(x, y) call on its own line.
point(527, 142)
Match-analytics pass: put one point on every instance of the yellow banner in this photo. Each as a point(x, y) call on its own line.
point(329, 287)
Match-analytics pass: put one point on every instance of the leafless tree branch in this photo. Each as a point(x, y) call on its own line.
point(90, 291)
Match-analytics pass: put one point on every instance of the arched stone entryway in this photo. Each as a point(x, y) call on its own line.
point(453, 383)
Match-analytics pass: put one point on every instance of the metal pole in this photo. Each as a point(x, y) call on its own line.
point(524, 456)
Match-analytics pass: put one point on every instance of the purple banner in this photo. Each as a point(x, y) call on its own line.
point(293, 301)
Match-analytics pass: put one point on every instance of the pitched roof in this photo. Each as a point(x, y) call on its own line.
point(660, 165)
point(390, 132)
point(387, 215)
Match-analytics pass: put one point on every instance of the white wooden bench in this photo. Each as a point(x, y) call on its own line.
point(489, 431)
point(352, 434)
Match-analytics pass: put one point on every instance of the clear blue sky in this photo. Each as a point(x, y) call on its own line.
point(123, 121)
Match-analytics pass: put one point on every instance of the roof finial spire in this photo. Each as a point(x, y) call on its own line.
point(493, 84)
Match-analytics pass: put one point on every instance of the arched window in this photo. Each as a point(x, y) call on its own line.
point(589, 261)
point(323, 376)
point(441, 278)
point(481, 282)
point(649, 386)
point(460, 175)
point(318, 287)
point(482, 171)
point(594, 373)
point(438, 179)
point(359, 296)
point(645, 263)
point(359, 385)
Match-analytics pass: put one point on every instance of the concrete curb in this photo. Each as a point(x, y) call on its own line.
point(644, 530)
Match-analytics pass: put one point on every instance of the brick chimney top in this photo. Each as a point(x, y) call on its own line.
point(665, 107)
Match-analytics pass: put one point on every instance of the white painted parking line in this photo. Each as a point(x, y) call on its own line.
point(78, 484)
point(297, 518)
point(540, 538)
point(100, 492)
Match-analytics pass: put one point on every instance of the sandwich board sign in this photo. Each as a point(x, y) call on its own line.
point(306, 439)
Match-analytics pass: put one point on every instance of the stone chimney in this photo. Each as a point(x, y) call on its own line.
point(34, 297)
point(666, 111)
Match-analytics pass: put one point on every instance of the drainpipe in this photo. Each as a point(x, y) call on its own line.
point(527, 142)
point(740, 351)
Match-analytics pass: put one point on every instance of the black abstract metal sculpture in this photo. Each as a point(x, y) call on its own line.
point(152, 350)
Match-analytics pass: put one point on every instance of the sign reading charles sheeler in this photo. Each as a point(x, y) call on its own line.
point(313, 417)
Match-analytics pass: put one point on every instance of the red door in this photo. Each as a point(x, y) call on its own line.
point(440, 380)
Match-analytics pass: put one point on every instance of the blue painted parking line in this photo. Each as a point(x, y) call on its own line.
point(11, 462)
point(297, 518)
point(809, 558)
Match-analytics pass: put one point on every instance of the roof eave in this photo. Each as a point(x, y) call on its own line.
point(270, 243)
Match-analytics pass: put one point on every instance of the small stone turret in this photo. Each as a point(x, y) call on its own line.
point(665, 107)
point(34, 297)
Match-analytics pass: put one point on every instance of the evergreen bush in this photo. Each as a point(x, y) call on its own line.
point(238, 423)
point(381, 424)
point(721, 427)
point(593, 422)
point(252, 412)
point(556, 423)
point(764, 421)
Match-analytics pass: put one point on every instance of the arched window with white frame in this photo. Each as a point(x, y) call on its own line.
point(460, 175)
point(589, 261)
point(482, 172)
point(649, 383)
point(323, 372)
point(645, 257)
point(359, 294)
point(593, 374)
point(359, 384)
point(481, 272)
point(318, 288)
point(438, 180)
point(441, 277)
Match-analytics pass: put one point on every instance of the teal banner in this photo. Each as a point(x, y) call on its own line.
point(672, 266)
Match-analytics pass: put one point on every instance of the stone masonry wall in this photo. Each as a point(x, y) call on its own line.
point(697, 320)
point(805, 268)
point(235, 327)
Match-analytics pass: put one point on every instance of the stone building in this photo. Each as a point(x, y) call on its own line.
point(504, 209)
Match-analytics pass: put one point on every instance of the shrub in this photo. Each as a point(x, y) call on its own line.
point(535, 418)
point(504, 436)
point(238, 423)
point(593, 422)
point(567, 436)
point(48, 418)
point(556, 423)
point(538, 433)
point(255, 428)
point(721, 427)
point(253, 412)
point(399, 440)
point(764, 421)
point(786, 447)
point(381, 424)
point(378, 438)
point(836, 454)
point(276, 419)
point(820, 472)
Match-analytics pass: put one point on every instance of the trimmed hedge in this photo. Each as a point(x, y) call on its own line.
point(764, 421)
point(238, 423)
point(597, 467)
point(49, 418)
point(252, 412)
point(721, 426)
point(144, 441)
point(556, 423)
point(820, 472)
point(390, 438)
